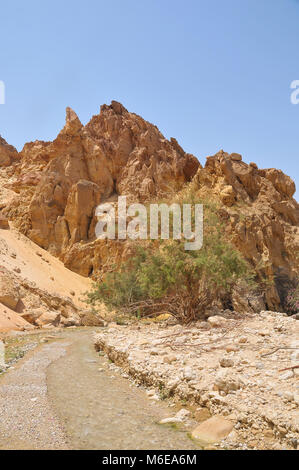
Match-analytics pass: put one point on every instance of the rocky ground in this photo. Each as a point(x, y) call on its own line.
point(63, 395)
point(242, 369)
point(27, 419)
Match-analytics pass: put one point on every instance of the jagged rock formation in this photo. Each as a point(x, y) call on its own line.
point(60, 183)
point(261, 218)
point(8, 154)
point(54, 188)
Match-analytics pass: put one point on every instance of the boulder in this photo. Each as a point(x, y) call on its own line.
point(228, 381)
point(227, 196)
point(32, 315)
point(213, 430)
point(4, 224)
point(48, 318)
point(217, 322)
point(9, 291)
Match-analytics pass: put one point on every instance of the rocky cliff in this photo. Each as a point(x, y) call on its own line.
point(59, 184)
point(50, 191)
point(261, 219)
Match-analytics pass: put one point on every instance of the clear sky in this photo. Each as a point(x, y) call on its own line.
point(215, 74)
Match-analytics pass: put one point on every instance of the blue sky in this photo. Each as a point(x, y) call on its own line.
point(212, 73)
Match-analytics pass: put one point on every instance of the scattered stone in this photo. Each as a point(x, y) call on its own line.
point(154, 397)
point(183, 414)
point(169, 359)
point(236, 157)
point(249, 392)
point(243, 340)
point(289, 396)
point(213, 430)
point(227, 381)
point(217, 321)
point(9, 291)
point(226, 362)
point(171, 420)
point(289, 374)
point(232, 348)
point(51, 317)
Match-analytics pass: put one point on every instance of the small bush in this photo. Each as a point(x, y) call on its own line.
point(292, 300)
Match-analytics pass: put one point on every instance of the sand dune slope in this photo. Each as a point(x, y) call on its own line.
point(31, 264)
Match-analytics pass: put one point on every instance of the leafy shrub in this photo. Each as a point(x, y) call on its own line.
point(292, 300)
point(168, 279)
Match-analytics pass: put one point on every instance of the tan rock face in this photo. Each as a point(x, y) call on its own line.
point(261, 218)
point(8, 154)
point(9, 290)
point(60, 183)
point(57, 186)
point(4, 225)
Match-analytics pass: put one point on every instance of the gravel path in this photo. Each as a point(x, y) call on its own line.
point(64, 396)
point(27, 420)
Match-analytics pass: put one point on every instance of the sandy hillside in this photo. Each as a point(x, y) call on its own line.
point(20, 255)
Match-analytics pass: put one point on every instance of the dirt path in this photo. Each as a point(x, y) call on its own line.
point(66, 396)
point(27, 420)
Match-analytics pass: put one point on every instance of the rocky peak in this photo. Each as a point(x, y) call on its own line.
point(8, 154)
point(116, 152)
point(72, 123)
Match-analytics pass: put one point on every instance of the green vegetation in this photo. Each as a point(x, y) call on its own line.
point(292, 299)
point(164, 278)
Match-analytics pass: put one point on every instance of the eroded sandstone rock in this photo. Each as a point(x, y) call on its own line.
point(9, 290)
point(261, 218)
point(58, 185)
point(4, 224)
point(61, 183)
point(8, 154)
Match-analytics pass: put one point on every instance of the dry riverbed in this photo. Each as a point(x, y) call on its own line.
point(214, 385)
point(64, 395)
point(231, 368)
